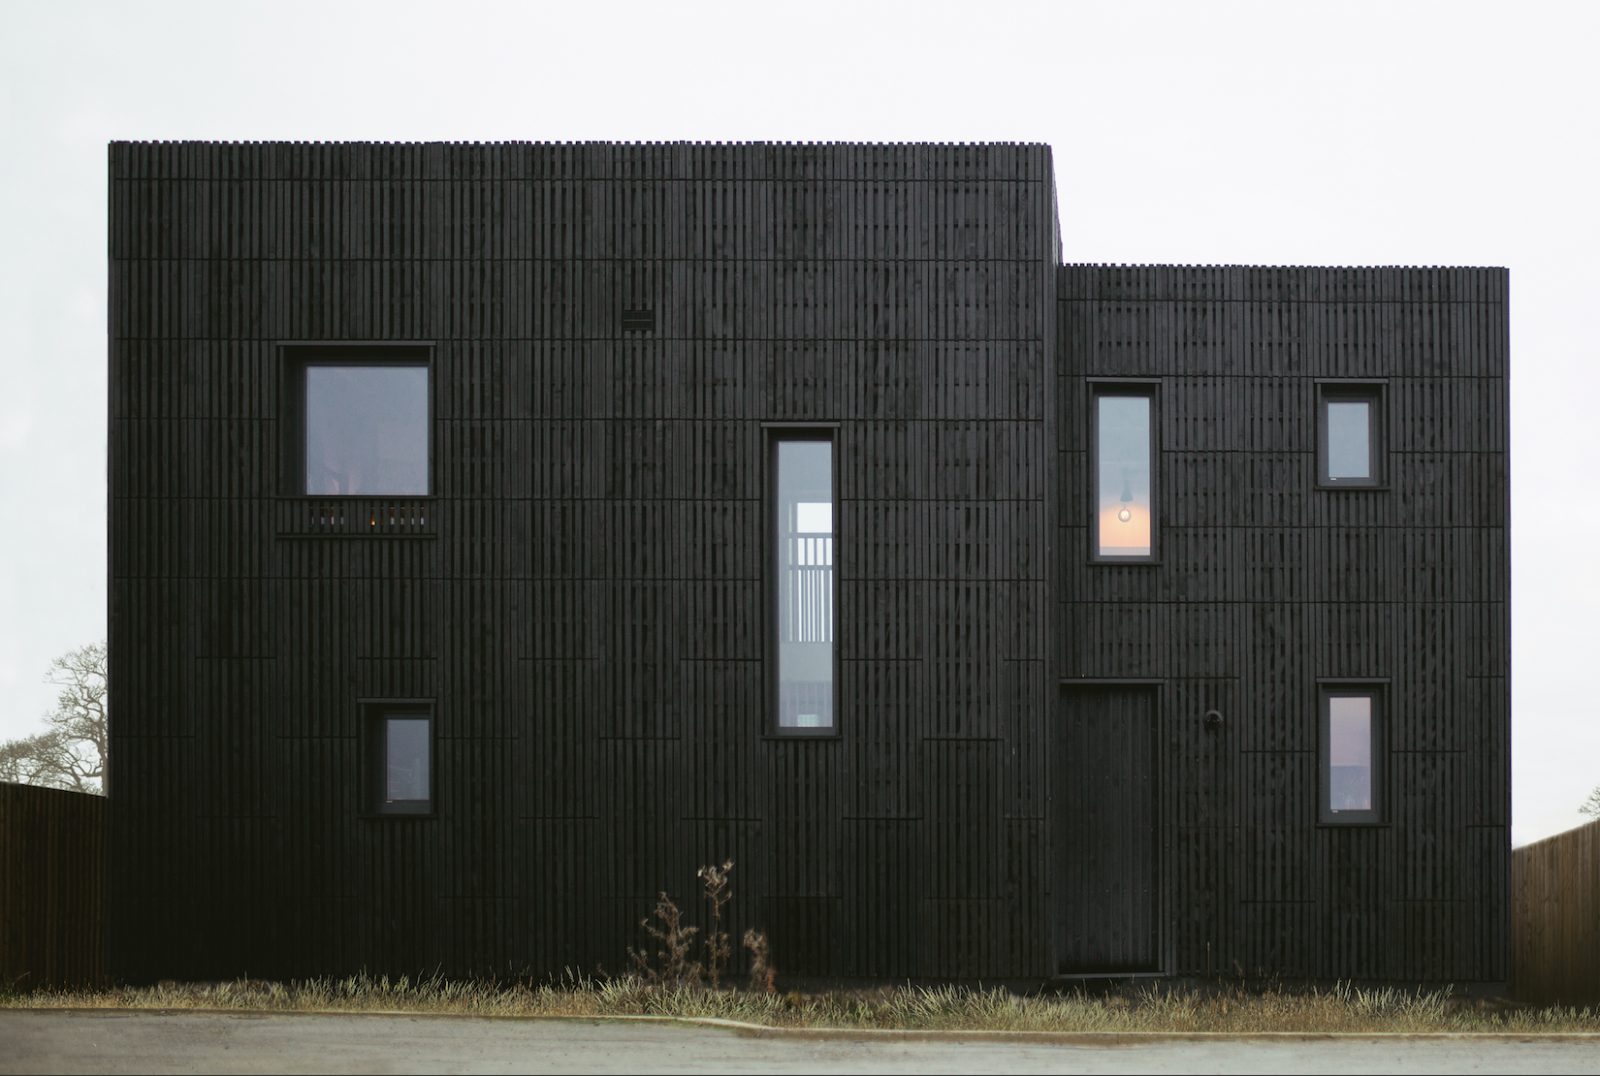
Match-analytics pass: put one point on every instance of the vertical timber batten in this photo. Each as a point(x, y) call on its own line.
point(1270, 585)
point(612, 331)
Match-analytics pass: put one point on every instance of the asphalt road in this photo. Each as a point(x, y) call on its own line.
point(216, 1042)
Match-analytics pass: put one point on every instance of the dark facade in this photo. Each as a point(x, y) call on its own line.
point(1040, 762)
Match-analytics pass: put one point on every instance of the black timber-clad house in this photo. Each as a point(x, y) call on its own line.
point(501, 532)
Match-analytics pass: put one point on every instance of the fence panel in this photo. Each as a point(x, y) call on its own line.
point(1555, 918)
point(52, 887)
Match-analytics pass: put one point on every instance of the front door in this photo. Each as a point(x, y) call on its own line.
point(1106, 825)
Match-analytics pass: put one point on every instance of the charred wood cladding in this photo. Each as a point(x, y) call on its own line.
point(500, 533)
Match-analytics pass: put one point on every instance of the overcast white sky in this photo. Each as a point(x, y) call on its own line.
point(1332, 134)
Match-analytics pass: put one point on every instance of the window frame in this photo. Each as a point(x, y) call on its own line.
point(1117, 386)
point(1347, 390)
point(1375, 691)
point(374, 758)
point(775, 434)
point(296, 358)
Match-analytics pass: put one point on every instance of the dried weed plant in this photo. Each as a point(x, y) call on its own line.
point(670, 965)
point(674, 967)
point(715, 880)
point(763, 975)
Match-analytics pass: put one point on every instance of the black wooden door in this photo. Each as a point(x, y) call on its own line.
point(1107, 836)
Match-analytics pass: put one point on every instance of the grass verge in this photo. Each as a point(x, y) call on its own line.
point(1342, 1009)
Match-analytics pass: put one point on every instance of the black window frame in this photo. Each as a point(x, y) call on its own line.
point(1111, 386)
point(775, 433)
point(1373, 394)
point(296, 359)
point(374, 758)
point(1375, 691)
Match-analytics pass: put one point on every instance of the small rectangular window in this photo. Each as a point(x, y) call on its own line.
point(804, 511)
point(1350, 435)
point(1123, 472)
point(1351, 785)
point(359, 421)
point(400, 758)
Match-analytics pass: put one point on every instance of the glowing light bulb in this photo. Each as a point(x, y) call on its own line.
point(1124, 515)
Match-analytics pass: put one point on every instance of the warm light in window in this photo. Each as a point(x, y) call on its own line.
point(1125, 529)
point(1122, 461)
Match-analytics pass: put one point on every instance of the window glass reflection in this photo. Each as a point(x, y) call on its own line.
point(805, 584)
point(1123, 465)
point(1349, 440)
point(1350, 753)
point(406, 758)
point(366, 430)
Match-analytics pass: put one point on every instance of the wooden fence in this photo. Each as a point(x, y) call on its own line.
point(52, 887)
point(1555, 918)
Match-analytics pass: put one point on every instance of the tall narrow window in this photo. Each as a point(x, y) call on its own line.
point(805, 610)
point(399, 758)
point(1350, 442)
point(358, 421)
point(1352, 756)
point(1124, 520)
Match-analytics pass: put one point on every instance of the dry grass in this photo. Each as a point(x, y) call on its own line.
point(1343, 1009)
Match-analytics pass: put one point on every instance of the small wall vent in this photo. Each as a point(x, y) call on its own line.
point(640, 319)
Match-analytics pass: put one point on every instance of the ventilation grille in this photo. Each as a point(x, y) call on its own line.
point(640, 319)
point(355, 517)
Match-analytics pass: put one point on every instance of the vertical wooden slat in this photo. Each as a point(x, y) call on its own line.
point(1555, 919)
point(585, 600)
point(1324, 585)
point(52, 888)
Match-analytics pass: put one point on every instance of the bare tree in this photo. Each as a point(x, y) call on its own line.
point(1591, 806)
point(71, 752)
point(31, 760)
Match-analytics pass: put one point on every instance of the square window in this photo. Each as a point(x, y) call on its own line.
point(360, 422)
point(399, 750)
point(1350, 435)
point(1123, 474)
point(803, 599)
point(1351, 785)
